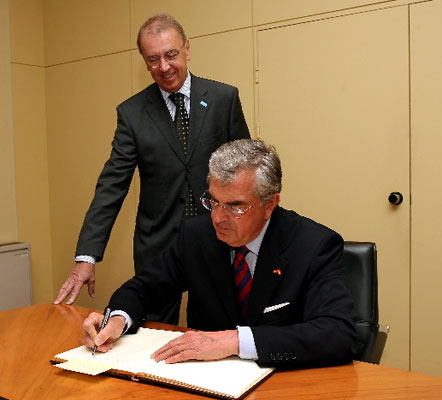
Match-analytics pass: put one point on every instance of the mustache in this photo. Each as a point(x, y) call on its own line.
point(224, 224)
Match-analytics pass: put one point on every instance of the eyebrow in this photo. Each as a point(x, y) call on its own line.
point(231, 203)
point(167, 51)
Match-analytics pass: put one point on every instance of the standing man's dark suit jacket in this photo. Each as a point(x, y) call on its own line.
point(146, 138)
point(299, 263)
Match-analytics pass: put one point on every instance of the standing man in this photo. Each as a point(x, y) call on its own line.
point(168, 130)
point(263, 282)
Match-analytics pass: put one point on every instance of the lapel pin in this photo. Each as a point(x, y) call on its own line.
point(277, 271)
point(203, 103)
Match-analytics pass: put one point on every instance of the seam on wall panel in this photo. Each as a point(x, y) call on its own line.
point(27, 65)
point(136, 49)
point(89, 58)
point(410, 193)
point(345, 12)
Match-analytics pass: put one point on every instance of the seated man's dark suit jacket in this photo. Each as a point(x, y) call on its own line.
point(316, 328)
point(146, 138)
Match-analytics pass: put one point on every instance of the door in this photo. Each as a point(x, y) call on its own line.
point(333, 98)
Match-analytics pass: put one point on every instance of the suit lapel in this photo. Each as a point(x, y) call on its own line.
point(159, 114)
point(200, 103)
point(270, 268)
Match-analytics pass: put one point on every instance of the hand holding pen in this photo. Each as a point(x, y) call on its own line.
point(103, 324)
point(99, 333)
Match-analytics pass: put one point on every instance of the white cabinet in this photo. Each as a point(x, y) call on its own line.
point(15, 276)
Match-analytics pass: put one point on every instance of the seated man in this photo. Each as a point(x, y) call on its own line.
point(263, 283)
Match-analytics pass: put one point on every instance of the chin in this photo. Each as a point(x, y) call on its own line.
point(224, 238)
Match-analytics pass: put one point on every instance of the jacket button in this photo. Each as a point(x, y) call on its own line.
point(272, 356)
point(279, 356)
point(188, 170)
point(292, 356)
point(286, 356)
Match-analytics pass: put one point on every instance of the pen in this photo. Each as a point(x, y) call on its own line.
point(103, 324)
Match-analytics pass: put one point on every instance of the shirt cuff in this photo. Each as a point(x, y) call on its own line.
point(125, 315)
point(247, 347)
point(82, 258)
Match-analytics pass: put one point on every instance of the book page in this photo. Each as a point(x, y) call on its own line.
point(131, 353)
point(84, 366)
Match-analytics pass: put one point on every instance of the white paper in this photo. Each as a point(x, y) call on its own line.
point(85, 366)
point(131, 353)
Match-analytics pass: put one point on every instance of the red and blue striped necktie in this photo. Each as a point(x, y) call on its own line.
point(243, 278)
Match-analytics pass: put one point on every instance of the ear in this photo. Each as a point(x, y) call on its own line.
point(187, 47)
point(270, 206)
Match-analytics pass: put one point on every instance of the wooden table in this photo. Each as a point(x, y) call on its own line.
point(31, 336)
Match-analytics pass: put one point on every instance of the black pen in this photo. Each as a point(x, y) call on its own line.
point(103, 324)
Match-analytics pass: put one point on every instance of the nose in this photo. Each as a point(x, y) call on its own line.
point(164, 65)
point(219, 215)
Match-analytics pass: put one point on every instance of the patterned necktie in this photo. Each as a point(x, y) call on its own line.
point(181, 123)
point(243, 278)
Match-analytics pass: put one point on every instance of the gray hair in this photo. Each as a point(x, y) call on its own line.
point(158, 24)
point(252, 155)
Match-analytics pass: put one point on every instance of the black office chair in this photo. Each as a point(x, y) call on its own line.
point(360, 272)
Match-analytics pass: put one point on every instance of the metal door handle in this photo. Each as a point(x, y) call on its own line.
point(395, 198)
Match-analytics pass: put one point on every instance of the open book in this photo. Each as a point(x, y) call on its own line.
point(231, 378)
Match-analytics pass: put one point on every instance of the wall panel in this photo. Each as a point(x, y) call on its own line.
point(33, 214)
point(198, 17)
point(81, 101)
point(265, 12)
point(80, 29)
point(140, 75)
point(27, 35)
point(227, 57)
point(426, 172)
point(8, 217)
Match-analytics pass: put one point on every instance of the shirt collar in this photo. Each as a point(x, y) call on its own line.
point(185, 89)
point(255, 244)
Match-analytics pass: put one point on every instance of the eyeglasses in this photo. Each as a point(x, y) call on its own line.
point(232, 211)
point(169, 57)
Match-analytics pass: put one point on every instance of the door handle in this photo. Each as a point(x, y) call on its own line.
point(395, 198)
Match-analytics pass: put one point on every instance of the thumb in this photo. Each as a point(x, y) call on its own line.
point(100, 338)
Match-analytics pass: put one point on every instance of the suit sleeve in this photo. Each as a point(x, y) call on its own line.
point(161, 282)
point(110, 192)
point(238, 125)
point(326, 333)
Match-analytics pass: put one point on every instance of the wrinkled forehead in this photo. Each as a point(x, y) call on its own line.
point(239, 191)
point(161, 42)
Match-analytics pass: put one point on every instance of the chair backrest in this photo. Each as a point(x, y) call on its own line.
point(360, 272)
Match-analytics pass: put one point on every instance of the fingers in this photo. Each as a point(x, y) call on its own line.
point(92, 336)
point(199, 346)
point(172, 351)
point(75, 292)
point(91, 285)
point(64, 291)
point(112, 331)
point(82, 273)
point(91, 326)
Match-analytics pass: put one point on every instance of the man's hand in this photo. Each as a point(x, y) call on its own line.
point(199, 346)
point(82, 273)
point(92, 336)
